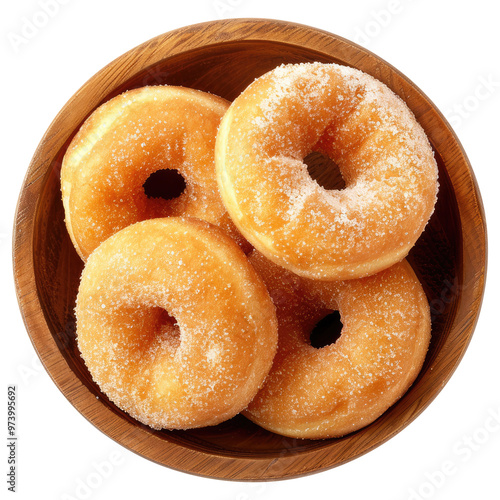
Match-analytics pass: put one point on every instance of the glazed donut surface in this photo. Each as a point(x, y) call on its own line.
point(174, 324)
point(382, 153)
point(127, 139)
point(337, 389)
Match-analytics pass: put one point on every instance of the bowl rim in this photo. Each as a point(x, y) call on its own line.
point(140, 439)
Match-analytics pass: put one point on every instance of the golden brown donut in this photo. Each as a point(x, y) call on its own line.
point(332, 391)
point(174, 324)
point(127, 139)
point(382, 152)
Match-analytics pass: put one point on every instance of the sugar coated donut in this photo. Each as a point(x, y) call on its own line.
point(126, 140)
point(198, 369)
point(337, 389)
point(382, 153)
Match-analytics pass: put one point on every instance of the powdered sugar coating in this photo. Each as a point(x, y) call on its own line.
point(337, 389)
point(381, 150)
point(127, 139)
point(174, 324)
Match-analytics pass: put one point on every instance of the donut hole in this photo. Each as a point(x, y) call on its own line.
point(327, 330)
point(165, 183)
point(167, 327)
point(324, 171)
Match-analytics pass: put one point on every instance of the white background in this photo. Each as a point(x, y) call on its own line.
point(449, 48)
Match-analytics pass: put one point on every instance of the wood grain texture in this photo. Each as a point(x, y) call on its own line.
point(223, 57)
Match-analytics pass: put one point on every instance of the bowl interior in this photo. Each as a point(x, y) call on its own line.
point(226, 69)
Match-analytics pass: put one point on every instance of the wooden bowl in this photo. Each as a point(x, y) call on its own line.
point(223, 57)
